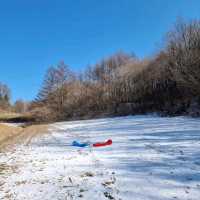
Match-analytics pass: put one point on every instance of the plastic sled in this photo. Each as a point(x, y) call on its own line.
point(77, 144)
point(102, 144)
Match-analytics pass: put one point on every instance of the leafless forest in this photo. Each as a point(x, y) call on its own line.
point(167, 83)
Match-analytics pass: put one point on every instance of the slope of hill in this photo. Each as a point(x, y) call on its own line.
point(151, 158)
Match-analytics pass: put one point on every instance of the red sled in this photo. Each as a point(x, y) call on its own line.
point(102, 144)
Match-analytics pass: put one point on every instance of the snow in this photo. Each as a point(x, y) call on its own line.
point(152, 158)
point(13, 124)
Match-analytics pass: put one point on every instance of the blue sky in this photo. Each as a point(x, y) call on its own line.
point(39, 33)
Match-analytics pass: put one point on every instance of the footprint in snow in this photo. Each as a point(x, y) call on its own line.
point(108, 195)
point(110, 190)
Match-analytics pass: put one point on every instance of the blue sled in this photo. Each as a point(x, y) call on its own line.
point(77, 144)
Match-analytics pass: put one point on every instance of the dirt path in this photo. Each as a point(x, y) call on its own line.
point(8, 132)
point(10, 135)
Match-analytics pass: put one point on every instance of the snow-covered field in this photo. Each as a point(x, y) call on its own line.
point(151, 158)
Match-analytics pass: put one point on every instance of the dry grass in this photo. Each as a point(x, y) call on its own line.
point(32, 131)
point(8, 115)
point(11, 135)
point(7, 132)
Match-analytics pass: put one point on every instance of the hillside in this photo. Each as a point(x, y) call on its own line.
point(151, 158)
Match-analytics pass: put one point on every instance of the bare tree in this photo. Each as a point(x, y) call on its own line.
point(5, 95)
point(54, 90)
point(183, 48)
point(21, 106)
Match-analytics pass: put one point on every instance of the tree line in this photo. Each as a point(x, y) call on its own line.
point(167, 83)
point(19, 105)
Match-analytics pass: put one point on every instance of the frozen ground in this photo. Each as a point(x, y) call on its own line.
point(151, 158)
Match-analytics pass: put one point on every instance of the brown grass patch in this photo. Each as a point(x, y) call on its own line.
point(7, 132)
point(8, 115)
point(5, 168)
point(33, 131)
point(13, 135)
